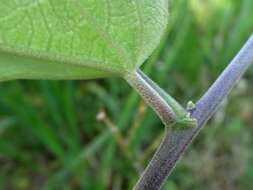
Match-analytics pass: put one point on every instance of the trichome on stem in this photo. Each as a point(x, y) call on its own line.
point(178, 139)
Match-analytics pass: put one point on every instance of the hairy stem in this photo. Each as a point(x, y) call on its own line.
point(152, 97)
point(177, 108)
point(176, 141)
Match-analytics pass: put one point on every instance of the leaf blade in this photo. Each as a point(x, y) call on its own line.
point(89, 39)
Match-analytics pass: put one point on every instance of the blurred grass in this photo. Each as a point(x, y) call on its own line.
point(50, 137)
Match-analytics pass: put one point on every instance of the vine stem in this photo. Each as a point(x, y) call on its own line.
point(177, 140)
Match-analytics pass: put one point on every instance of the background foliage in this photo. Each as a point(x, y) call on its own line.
point(50, 137)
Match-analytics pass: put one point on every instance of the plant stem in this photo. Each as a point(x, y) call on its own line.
point(176, 141)
point(176, 107)
point(152, 97)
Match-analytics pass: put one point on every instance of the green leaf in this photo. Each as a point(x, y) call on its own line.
point(79, 39)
